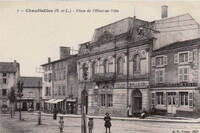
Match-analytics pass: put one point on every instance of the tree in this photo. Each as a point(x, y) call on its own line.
point(12, 98)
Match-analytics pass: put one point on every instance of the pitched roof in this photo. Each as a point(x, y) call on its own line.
point(31, 81)
point(180, 44)
point(9, 66)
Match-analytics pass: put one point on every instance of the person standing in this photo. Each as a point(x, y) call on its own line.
point(90, 125)
point(107, 124)
point(61, 124)
point(55, 112)
point(129, 111)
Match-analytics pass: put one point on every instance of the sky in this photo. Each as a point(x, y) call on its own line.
point(30, 38)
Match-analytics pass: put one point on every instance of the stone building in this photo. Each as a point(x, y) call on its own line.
point(9, 75)
point(116, 56)
point(175, 78)
point(60, 83)
point(117, 62)
point(30, 98)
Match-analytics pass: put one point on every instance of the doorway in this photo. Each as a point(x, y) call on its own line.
point(171, 102)
point(136, 100)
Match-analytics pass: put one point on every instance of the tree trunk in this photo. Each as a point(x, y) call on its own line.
point(11, 110)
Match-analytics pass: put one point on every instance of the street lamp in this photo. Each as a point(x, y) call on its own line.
point(20, 94)
point(39, 113)
point(83, 108)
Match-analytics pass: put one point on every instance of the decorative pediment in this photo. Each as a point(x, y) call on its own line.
point(105, 37)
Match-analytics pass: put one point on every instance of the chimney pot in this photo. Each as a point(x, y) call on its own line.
point(164, 11)
point(64, 52)
point(49, 59)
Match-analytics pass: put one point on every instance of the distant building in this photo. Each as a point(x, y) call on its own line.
point(30, 98)
point(60, 88)
point(9, 75)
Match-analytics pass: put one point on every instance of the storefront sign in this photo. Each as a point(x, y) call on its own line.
point(132, 84)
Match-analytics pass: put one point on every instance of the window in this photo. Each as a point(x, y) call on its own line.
point(85, 71)
point(120, 66)
point(153, 98)
point(136, 63)
point(160, 98)
point(184, 98)
point(110, 100)
point(103, 100)
point(183, 57)
point(159, 61)
point(64, 74)
point(94, 68)
point(106, 66)
point(183, 73)
point(46, 94)
point(49, 77)
point(4, 92)
point(159, 75)
point(63, 90)
point(4, 74)
point(4, 80)
point(59, 90)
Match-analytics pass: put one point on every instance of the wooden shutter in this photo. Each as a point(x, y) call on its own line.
point(177, 99)
point(164, 98)
point(153, 98)
point(176, 58)
point(165, 60)
point(190, 56)
point(153, 61)
point(191, 99)
point(156, 76)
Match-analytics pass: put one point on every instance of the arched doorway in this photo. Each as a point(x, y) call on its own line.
point(136, 100)
point(84, 100)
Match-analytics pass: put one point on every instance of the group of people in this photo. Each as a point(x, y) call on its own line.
point(143, 113)
point(107, 123)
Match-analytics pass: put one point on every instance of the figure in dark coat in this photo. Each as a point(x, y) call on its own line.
point(107, 120)
point(55, 112)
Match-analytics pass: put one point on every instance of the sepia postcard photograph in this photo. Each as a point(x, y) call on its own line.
point(99, 66)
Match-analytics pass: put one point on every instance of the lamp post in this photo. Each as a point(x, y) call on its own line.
point(39, 113)
point(20, 94)
point(83, 108)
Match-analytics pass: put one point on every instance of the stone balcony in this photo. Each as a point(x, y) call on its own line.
point(110, 76)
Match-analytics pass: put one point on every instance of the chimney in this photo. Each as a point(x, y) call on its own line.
point(49, 59)
point(164, 11)
point(64, 52)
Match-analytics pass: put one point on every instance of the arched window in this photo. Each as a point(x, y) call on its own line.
point(85, 71)
point(106, 66)
point(136, 63)
point(94, 68)
point(120, 65)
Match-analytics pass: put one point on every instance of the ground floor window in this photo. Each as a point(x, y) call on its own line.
point(106, 100)
point(184, 98)
point(160, 98)
point(103, 100)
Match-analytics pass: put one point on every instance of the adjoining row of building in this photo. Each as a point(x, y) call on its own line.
point(9, 76)
point(130, 62)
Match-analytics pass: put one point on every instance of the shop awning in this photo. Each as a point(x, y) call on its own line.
point(58, 100)
point(50, 101)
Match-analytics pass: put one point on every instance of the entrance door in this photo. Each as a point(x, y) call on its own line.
point(70, 107)
point(137, 100)
point(24, 106)
point(171, 102)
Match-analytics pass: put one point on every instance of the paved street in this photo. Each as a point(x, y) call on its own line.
point(72, 125)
